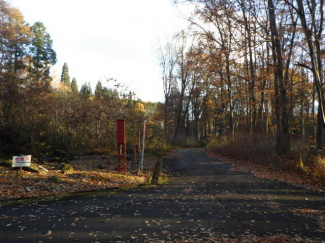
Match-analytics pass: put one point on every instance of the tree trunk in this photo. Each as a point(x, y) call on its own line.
point(231, 112)
point(316, 64)
point(166, 113)
point(251, 74)
point(283, 138)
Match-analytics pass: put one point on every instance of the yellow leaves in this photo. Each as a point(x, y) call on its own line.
point(210, 104)
point(13, 27)
point(158, 223)
point(139, 107)
point(48, 233)
point(16, 14)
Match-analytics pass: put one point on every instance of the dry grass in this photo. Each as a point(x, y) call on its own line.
point(86, 176)
point(302, 166)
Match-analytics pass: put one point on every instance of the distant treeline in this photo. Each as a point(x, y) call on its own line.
point(37, 118)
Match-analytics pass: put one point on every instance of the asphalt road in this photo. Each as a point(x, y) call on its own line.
point(202, 199)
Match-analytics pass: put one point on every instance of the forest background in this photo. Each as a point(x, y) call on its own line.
point(245, 79)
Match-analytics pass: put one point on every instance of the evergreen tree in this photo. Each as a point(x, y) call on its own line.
point(105, 92)
point(46, 76)
point(65, 78)
point(99, 89)
point(41, 48)
point(130, 100)
point(74, 86)
point(86, 91)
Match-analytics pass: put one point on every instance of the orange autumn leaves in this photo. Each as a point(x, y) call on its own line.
point(86, 176)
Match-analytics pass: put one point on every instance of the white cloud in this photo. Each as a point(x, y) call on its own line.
point(107, 38)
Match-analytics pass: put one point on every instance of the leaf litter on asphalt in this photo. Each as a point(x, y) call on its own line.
point(198, 234)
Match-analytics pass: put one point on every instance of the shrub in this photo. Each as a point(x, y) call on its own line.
point(65, 168)
point(302, 159)
point(318, 168)
point(190, 143)
point(157, 146)
point(261, 149)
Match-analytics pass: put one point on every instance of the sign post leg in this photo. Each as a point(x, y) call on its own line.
point(121, 148)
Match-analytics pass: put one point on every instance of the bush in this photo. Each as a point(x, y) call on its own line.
point(65, 168)
point(186, 142)
point(302, 159)
point(318, 168)
point(261, 150)
point(157, 146)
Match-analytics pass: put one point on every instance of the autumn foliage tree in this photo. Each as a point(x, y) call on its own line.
point(257, 73)
point(38, 117)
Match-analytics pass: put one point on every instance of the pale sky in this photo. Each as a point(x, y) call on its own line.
point(102, 39)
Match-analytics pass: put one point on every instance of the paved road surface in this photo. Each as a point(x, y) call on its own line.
point(202, 199)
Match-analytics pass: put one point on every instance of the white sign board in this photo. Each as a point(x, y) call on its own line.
point(21, 161)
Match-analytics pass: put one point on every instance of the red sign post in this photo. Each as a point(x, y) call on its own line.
point(121, 146)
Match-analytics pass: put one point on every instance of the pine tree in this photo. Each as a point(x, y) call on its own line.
point(74, 86)
point(65, 78)
point(86, 91)
point(41, 47)
point(130, 101)
point(99, 89)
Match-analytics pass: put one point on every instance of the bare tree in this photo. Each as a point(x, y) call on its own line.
point(168, 58)
point(186, 51)
point(312, 23)
point(283, 138)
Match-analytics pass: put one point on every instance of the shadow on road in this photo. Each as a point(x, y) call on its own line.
point(204, 198)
